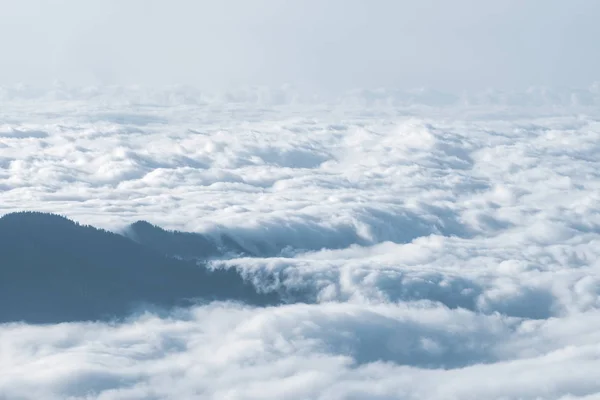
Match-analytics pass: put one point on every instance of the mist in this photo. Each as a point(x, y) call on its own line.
point(315, 45)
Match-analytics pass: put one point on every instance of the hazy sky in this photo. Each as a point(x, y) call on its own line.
point(332, 44)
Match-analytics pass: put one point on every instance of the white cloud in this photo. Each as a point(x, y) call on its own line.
point(304, 351)
point(449, 253)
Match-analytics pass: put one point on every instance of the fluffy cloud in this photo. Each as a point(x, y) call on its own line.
point(323, 351)
point(444, 253)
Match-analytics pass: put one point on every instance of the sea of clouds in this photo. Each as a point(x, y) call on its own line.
point(448, 251)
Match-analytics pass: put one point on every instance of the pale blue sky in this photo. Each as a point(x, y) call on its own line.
point(333, 44)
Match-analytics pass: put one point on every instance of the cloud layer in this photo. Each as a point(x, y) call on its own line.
point(339, 351)
point(448, 253)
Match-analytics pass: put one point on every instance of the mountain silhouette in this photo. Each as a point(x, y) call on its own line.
point(185, 245)
point(55, 270)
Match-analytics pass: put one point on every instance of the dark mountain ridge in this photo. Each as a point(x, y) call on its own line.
point(186, 245)
point(54, 270)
